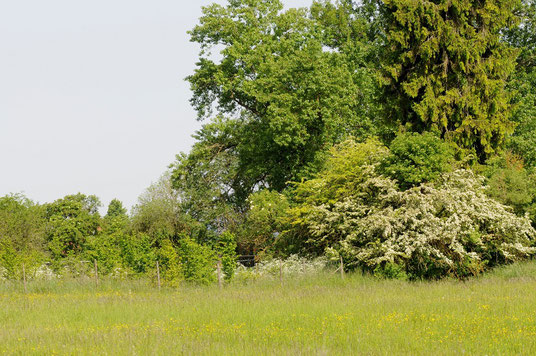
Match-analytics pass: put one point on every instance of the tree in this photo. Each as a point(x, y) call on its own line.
point(286, 85)
point(263, 221)
point(69, 223)
point(523, 83)
point(445, 67)
point(208, 180)
point(21, 234)
point(116, 209)
point(159, 211)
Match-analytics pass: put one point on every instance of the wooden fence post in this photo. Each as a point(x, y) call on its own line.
point(24, 278)
point(342, 268)
point(96, 273)
point(158, 275)
point(281, 272)
point(220, 282)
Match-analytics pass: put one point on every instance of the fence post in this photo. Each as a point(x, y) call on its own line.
point(220, 282)
point(342, 268)
point(158, 274)
point(281, 272)
point(24, 278)
point(96, 273)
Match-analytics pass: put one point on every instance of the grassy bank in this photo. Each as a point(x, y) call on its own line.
point(495, 314)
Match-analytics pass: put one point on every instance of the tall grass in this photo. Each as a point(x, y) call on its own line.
point(318, 315)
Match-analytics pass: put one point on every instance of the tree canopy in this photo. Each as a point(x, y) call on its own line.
point(285, 86)
point(445, 68)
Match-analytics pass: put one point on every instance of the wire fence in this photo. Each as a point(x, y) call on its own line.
point(91, 270)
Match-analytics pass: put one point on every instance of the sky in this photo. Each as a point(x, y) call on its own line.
point(92, 94)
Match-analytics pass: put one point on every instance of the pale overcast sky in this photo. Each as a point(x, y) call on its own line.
point(92, 94)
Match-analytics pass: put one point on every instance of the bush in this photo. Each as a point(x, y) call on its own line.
point(293, 266)
point(417, 158)
point(452, 228)
point(449, 228)
point(263, 222)
point(138, 252)
point(225, 248)
point(350, 165)
point(511, 184)
point(105, 249)
point(391, 270)
point(197, 261)
point(170, 264)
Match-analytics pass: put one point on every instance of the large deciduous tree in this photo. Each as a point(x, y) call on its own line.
point(445, 68)
point(284, 86)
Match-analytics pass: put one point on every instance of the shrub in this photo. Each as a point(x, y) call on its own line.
point(511, 184)
point(450, 227)
point(105, 249)
point(350, 165)
point(170, 264)
point(225, 248)
point(138, 252)
point(197, 261)
point(12, 261)
point(263, 221)
point(417, 158)
point(293, 266)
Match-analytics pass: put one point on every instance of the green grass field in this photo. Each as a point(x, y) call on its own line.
point(320, 315)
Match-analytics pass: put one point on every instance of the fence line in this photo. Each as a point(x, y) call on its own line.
point(245, 260)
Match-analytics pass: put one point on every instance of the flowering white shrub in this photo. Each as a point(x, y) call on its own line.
point(45, 272)
point(293, 266)
point(450, 228)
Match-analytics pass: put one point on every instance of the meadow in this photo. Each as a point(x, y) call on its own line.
point(314, 315)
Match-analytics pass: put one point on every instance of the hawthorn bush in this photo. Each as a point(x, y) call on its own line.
point(447, 228)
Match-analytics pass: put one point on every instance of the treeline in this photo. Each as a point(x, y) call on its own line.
point(396, 134)
point(66, 237)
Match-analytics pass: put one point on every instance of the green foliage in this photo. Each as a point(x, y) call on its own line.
point(417, 158)
point(264, 221)
point(106, 250)
point(445, 68)
point(21, 235)
point(169, 260)
point(432, 230)
point(225, 249)
point(198, 261)
point(523, 140)
point(289, 84)
point(346, 168)
point(511, 184)
point(159, 211)
point(208, 178)
point(21, 223)
point(115, 209)
point(138, 252)
point(523, 83)
point(390, 270)
point(70, 221)
point(350, 166)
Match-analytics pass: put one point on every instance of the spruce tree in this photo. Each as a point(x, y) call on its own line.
point(445, 68)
